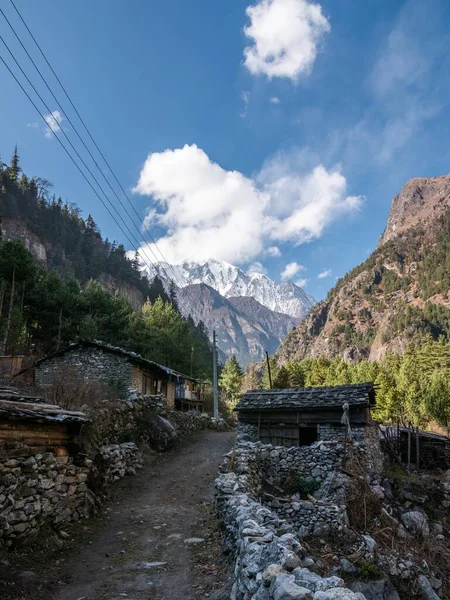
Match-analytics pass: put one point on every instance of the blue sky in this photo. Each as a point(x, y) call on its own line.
point(272, 134)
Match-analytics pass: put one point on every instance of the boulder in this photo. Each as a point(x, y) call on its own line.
point(416, 522)
point(160, 432)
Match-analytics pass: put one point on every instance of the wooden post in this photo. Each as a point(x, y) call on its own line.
point(268, 370)
point(216, 391)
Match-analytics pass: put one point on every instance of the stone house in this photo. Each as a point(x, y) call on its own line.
point(120, 369)
point(302, 416)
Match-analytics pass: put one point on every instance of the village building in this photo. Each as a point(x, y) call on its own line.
point(302, 416)
point(121, 370)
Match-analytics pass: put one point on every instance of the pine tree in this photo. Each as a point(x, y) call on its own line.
point(231, 381)
point(14, 169)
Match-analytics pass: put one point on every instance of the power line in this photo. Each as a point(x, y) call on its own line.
point(91, 137)
point(80, 157)
point(72, 146)
point(74, 128)
point(65, 149)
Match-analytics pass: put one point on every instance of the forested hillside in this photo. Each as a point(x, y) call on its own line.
point(400, 295)
point(44, 307)
point(76, 247)
point(412, 387)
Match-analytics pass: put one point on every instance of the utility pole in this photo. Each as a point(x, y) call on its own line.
point(268, 370)
point(216, 394)
point(192, 357)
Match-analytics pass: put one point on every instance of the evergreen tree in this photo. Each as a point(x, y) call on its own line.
point(16, 267)
point(231, 381)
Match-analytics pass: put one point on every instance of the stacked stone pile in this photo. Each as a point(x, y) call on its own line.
point(38, 490)
point(263, 463)
point(120, 460)
point(188, 422)
point(271, 563)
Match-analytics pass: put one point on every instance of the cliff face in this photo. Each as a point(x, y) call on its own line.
point(398, 295)
point(13, 229)
point(43, 252)
point(421, 202)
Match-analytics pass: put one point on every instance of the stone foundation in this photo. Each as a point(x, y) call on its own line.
point(38, 490)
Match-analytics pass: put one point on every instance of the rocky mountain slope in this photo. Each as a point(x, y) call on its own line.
point(244, 327)
point(400, 294)
point(231, 281)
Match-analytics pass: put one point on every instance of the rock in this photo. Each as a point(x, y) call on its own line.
point(161, 433)
point(380, 589)
point(194, 540)
point(279, 580)
point(291, 591)
point(328, 583)
point(270, 572)
point(427, 588)
point(416, 523)
point(336, 594)
point(292, 563)
point(369, 542)
point(387, 488)
point(307, 562)
point(347, 566)
point(438, 529)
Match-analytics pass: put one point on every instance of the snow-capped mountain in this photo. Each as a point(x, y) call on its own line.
point(231, 281)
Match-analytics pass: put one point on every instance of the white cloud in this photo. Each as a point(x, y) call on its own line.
point(285, 36)
point(273, 251)
point(33, 125)
point(402, 82)
point(301, 282)
point(246, 99)
point(275, 100)
point(290, 270)
point(53, 120)
point(325, 273)
point(257, 267)
point(209, 212)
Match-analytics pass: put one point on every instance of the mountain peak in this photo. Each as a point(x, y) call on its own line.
point(421, 201)
point(231, 281)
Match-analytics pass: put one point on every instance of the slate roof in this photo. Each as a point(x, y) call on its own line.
point(133, 356)
point(313, 398)
point(16, 406)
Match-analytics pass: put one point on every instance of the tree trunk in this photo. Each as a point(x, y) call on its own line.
point(2, 295)
point(8, 322)
point(59, 329)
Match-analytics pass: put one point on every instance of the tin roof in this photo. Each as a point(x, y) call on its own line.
point(356, 394)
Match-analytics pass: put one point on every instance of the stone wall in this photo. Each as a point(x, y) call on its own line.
point(120, 460)
point(311, 463)
point(270, 561)
point(38, 490)
point(86, 363)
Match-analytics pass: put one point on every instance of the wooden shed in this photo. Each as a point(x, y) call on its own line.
point(301, 416)
point(29, 425)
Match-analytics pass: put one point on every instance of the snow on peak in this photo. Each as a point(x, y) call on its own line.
point(230, 281)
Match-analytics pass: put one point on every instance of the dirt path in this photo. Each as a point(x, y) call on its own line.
point(138, 550)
